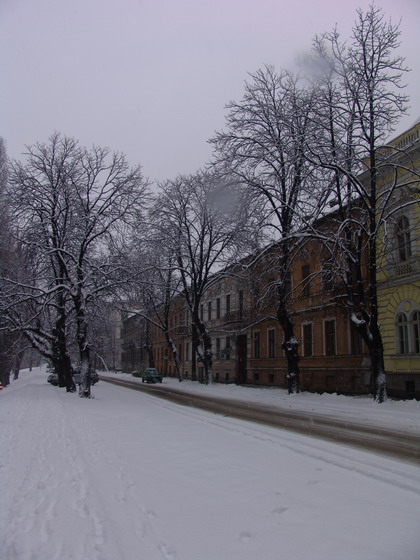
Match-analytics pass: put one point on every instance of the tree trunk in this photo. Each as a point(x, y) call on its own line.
point(61, 358)
point(83, 344)
point(290, 347)
point(194, 343)
point(376, 349)
point(204, 350)
point(290, 344)
point(85, 369)
point(174, 352)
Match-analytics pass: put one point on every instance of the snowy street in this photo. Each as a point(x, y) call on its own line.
point(314, 417)
point(128, 476)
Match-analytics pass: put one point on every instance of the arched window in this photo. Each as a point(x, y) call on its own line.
point(403, 239)
point(415, 329)
point(402, 332)
point(408, 332)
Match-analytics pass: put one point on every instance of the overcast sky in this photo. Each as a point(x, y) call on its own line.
point(150, 78)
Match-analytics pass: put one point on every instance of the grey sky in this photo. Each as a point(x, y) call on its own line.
point(151, 78)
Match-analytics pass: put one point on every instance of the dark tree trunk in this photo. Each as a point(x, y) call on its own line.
point(194, 342)
point(290, 347)
point(61, 358)
point(83, 344)
point(202, 344)
point(290, 344)
point(173, 350)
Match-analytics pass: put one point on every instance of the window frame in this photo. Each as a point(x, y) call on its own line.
point(407, 332)
point(305, 341)
point(402, 334)
point(227, 301)
point(403, 239)
point(257, 344)
point(330, 338)
point(271, 343)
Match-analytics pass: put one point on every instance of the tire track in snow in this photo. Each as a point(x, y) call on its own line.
point(394, 443)
point(387, 470)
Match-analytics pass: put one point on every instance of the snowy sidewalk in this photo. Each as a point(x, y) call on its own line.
point(127, 476)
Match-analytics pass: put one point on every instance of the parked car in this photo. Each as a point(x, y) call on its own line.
point(53, 378)
point(94, 378)
point(151, 375)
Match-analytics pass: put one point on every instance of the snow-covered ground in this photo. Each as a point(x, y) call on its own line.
point(128, 476)
point(397, 415)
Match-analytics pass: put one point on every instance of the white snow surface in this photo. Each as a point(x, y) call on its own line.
point(129, 476)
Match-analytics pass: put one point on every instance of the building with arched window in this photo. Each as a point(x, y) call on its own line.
point(399, 274)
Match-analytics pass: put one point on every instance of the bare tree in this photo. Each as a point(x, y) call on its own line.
point(73, 207)
point(155, 287)
point(359, 102)
point(6, 264)
point(263, 147)
point(201, 218)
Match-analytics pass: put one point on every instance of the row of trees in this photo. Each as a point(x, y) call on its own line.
point(71, 209)
point(87, 230)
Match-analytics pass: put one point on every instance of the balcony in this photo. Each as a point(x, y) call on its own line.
point(403, 269)
point(234, 317)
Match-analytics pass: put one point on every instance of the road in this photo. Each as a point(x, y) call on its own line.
point(396, 444)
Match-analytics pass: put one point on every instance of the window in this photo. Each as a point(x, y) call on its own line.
point(218, 308)
point(306, 282)
point(256, 344)
point(271, 343)
point(288, 283)
point(329, 337)
point(228, 303)
point(209, 310)
point(241, 303)
point(402, 329)
point(403, 239)
point(227, 351)
point(217, 348)
point(408, 333)
point(416, 331)
point(307, 340)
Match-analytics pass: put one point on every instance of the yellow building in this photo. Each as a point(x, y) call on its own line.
point(399, 270)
